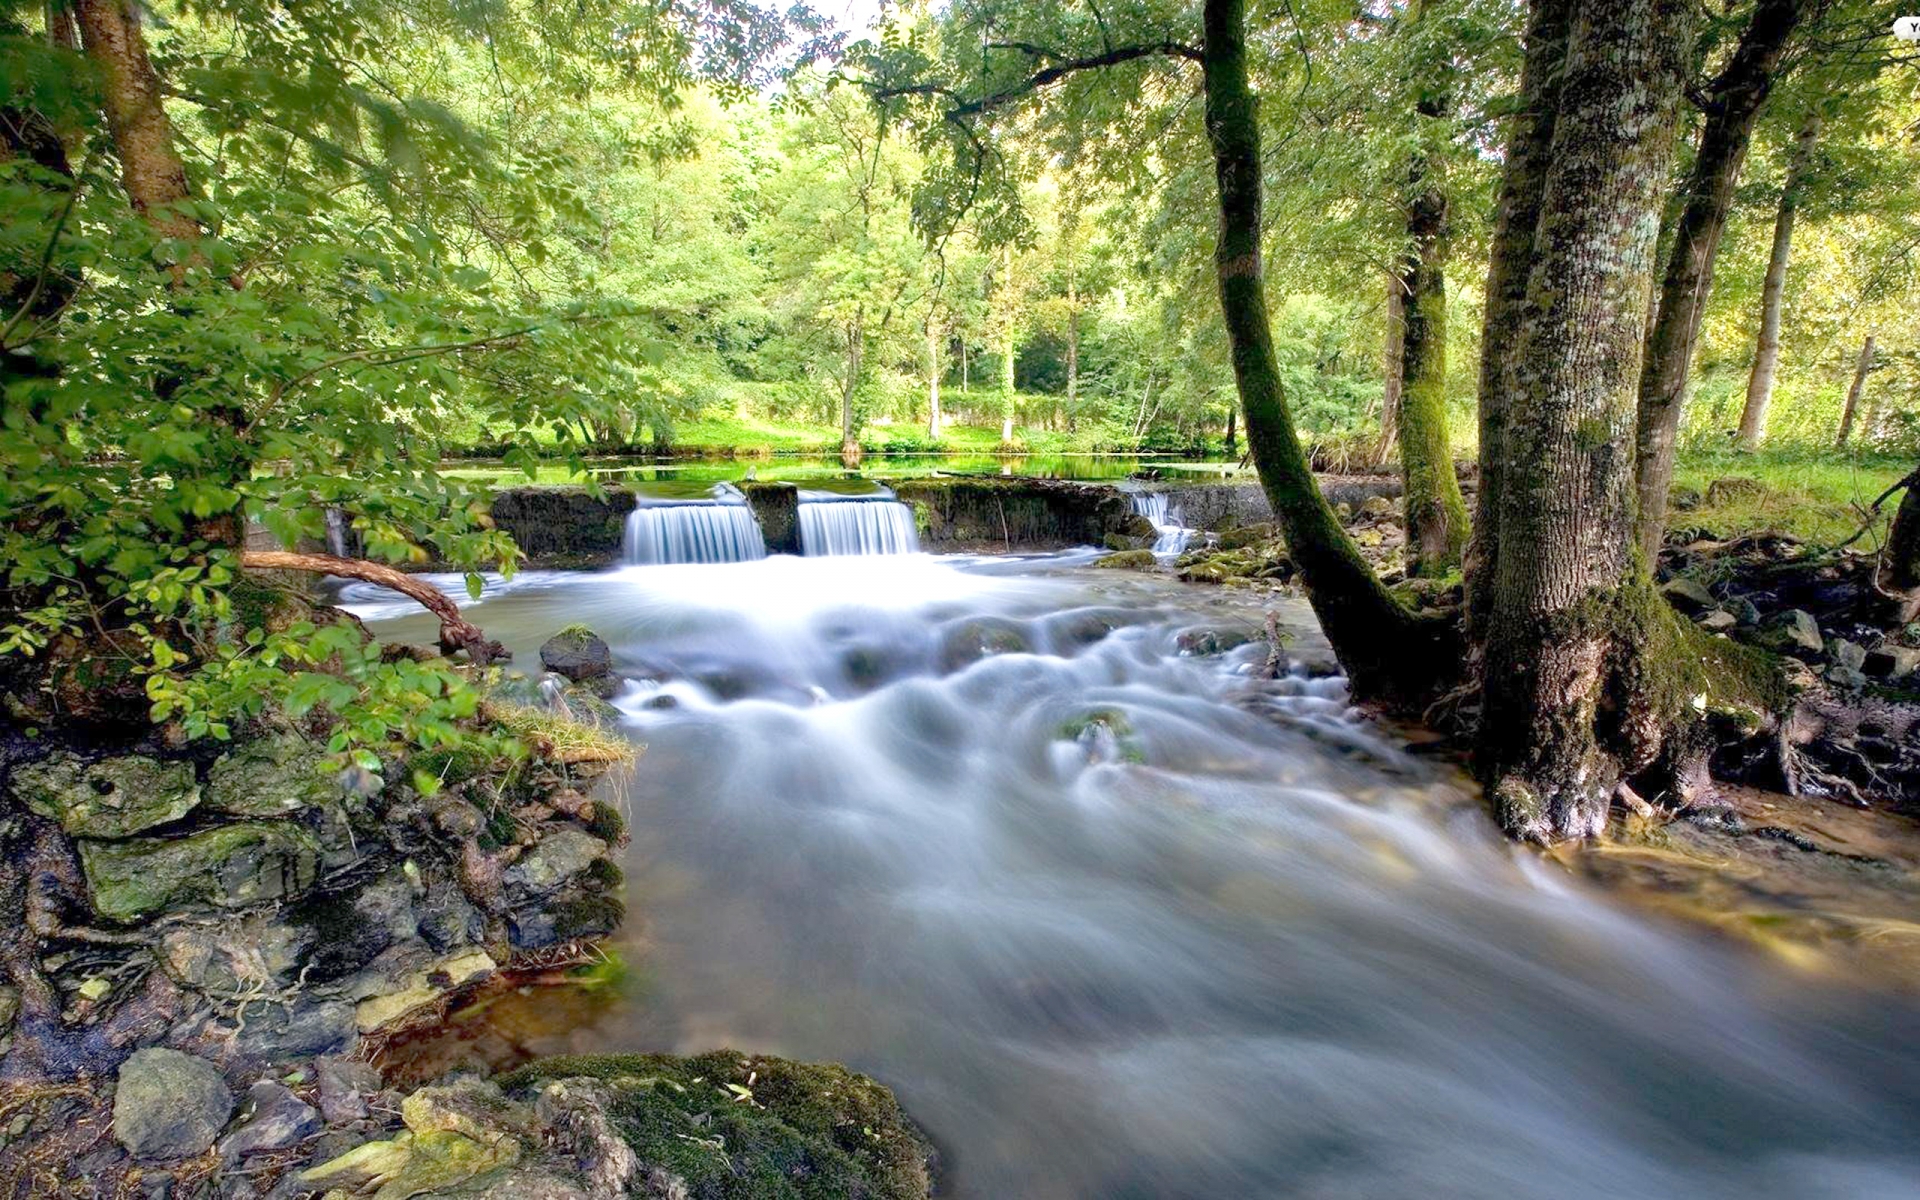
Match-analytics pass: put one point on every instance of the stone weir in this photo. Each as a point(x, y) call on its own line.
point(561, 527)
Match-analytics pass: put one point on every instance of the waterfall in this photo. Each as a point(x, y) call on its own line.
point(857, 526)
point(1172, 537)
point(715, 532)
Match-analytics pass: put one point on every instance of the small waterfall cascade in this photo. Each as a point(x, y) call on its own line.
point(867, 524)
point(1171, 536)
point(718, 530)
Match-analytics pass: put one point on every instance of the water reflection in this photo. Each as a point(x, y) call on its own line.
point(1122, 920)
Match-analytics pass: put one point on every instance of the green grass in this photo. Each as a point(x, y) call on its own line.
point(1818, 497)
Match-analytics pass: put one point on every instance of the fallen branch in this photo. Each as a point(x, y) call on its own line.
point(456, 633)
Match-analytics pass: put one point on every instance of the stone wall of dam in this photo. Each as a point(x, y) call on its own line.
point(569, 527)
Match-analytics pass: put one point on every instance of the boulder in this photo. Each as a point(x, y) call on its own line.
point(405, 993)
point(271, 776)
point(557, 858)
point(1743, 611)
point(233, 956)
point(1129, 560)
point(1378, 508)
point(344, 1085)
point(169, 1105)
point(110, 798)
point(1688, 595)
point(469, 1107)
point(277, 1033)
point(1796, 629)
point(578, 653)
point(411, 1164)
point(228, 865)
point(1888, 661)
point(1248, 535)
point(1843, 653)
point(271, 1118)
point(1718, 620)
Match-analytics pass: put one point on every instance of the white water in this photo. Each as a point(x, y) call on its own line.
point(719, 532)
point(857, 526)
point(1119, 920)
point(1171, 536)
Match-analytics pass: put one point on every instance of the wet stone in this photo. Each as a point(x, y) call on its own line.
point(111, 798)
point(271, 1118)
point(344, 1085)
point(169, 1105)
point(577, 653)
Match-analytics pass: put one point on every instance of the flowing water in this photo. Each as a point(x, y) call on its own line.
point(1117, 916)
point(872, 524)
point(717, 530)
point(1170, 536)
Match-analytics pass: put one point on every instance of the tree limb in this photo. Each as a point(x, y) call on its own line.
point(456, 633)
point(1041, 78)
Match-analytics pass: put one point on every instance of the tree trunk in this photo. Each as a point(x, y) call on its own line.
point(1073, 345)
point(1737, 94)
point(1233, 434)
point(150, 167)
point(1393, 358)
point(1529, 153)
point(1436, 515)
point(1388, 653)
point(1560, 635)
point(455, 632)
point(1900, 557)
point(1864, 365)
point(856, 351)
point(1766, 354)
point(933, 379)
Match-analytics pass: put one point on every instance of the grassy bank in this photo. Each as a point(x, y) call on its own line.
point(1817, 497)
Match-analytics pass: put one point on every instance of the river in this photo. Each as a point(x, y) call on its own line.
point(1039, 846)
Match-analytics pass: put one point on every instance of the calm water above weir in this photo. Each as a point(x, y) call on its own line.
point(810, 469)
point(1118, 919)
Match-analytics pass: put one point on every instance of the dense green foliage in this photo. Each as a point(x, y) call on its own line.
point(413, 231)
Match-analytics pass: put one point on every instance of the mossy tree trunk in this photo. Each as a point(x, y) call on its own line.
point(1734, 99)
point(1766, 352)
point(933, 377)
point(1388, 653)
point(856, 351)
point(1436, 515)
point(1566, 707)
point(1529, 152)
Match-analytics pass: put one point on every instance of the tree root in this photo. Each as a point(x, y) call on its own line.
point(456, 633)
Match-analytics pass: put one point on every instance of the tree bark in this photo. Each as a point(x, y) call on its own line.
point(1766, 354)
point(1557, 637)
point(1854, 390)
point(150, 166)
point(1900, 557)
point(1436, 515)
point(1392, 356)
point(1233, 434)
point(1073, 343)
point(1529, 153)
point(1388, 653)
point(455, 632)
point(1737, 94)
point(856, 352)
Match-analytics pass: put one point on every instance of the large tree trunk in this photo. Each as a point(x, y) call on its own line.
point(1766, 354)
point(1393, 356)
point(1436, 514)
point(1735, 98)
point(150, 166)
point(1560, 635)
point(1847, 414)
point(1529, 153)
point(1900, 557)
point(1388, 653)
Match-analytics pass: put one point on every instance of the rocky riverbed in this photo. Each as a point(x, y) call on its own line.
point(221, 938)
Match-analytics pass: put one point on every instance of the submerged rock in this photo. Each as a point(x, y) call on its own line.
point(111, 798)
point(169, 1105)
point(227, 865)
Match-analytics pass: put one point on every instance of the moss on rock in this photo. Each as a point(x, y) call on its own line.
point(228, 866)
point(732, 1126)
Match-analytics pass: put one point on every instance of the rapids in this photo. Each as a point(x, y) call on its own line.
point(1037, 846)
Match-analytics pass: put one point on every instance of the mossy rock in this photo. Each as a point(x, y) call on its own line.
point(735, 1126)
point(229, 866)
point(270, 776)
point(1248, 535)
point(1129, 560)
point(110, 798)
